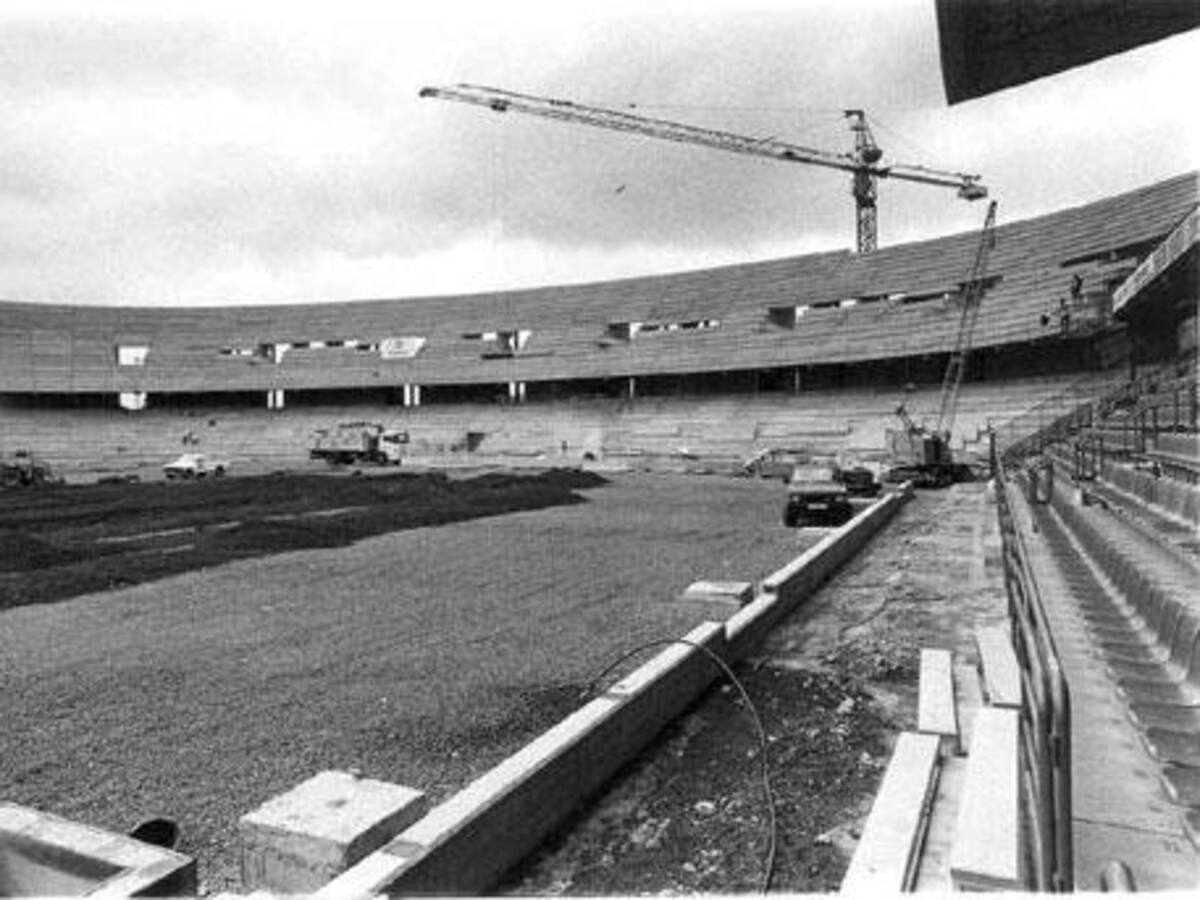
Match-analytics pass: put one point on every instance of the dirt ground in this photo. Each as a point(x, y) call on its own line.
point(421, 657)
point(833, 685)
point(59, 542)
point(425, 656)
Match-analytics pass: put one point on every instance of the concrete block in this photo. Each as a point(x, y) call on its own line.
point(716, 601)
point(999, 665)
point(936, 710)
point(42, 854)
point(887, 858)
point(738, 592)
point(986, 855)
point(300, 840)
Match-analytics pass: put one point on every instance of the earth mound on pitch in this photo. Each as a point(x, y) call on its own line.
point(66, 541)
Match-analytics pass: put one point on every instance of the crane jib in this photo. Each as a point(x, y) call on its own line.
point(862, 163)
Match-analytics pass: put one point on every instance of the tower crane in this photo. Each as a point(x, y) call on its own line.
point(864, 163)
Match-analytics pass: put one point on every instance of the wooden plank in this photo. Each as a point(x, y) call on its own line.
point(887, 857)
point(987, 838)
point(936, 710)
point(999, 667)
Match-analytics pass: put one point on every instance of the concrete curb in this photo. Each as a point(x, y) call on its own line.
point(788, 587)
point(465, 845)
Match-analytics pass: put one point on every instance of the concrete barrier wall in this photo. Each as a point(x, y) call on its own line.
point(788, 587)
point(465, 845)
point(42, 854)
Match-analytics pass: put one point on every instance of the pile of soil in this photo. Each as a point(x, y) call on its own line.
point(65, 541)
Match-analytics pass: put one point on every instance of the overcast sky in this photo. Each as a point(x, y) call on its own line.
point(179, 154)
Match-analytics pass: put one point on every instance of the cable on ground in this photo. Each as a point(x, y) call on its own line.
point(768, 792)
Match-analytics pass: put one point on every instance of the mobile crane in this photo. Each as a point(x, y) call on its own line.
point(923, 454)
point(864, 163)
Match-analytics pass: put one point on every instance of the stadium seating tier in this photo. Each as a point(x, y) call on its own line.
point(902, 303)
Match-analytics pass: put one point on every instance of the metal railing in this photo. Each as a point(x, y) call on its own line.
point(1055, 418)
point(1045, 707)
point(1149, 404)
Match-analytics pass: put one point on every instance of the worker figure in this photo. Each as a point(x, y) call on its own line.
point(1064, 315)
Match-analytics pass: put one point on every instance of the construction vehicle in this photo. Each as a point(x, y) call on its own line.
point(864, 163)
point(922, 454)
point(189, 466)
point(774, 462)
point(24, 469)
point(919, 454)
point(359, 442)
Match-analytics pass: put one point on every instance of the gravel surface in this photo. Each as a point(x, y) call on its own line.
point(834, 684)
point(421, 657)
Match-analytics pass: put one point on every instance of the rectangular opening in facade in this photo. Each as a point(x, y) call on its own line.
point(131, 355)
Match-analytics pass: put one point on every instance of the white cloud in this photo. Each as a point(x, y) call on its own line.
point(163, 153)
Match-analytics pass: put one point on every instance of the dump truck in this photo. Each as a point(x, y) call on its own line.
point(359, 442)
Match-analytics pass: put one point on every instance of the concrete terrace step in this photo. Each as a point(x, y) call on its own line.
point(987, 853)
point(887, 857)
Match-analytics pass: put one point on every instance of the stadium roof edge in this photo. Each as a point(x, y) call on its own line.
point(838, 256)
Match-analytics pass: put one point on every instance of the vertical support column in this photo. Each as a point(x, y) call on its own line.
point(516, 392)
point(797, 381)
point(631, 388)
point(275, 398)
point(411, 395)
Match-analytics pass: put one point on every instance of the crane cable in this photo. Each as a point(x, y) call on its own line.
point(768, 792)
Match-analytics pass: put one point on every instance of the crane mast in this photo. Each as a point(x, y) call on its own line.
point(863, 163)
point(866, 153)
point(972, 292)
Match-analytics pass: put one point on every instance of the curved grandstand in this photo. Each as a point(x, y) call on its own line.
point(776, 330)
point(1077, 751)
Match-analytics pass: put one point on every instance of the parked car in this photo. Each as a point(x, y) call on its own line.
point(194, 465)
point(860, 481)
point(816, 494)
